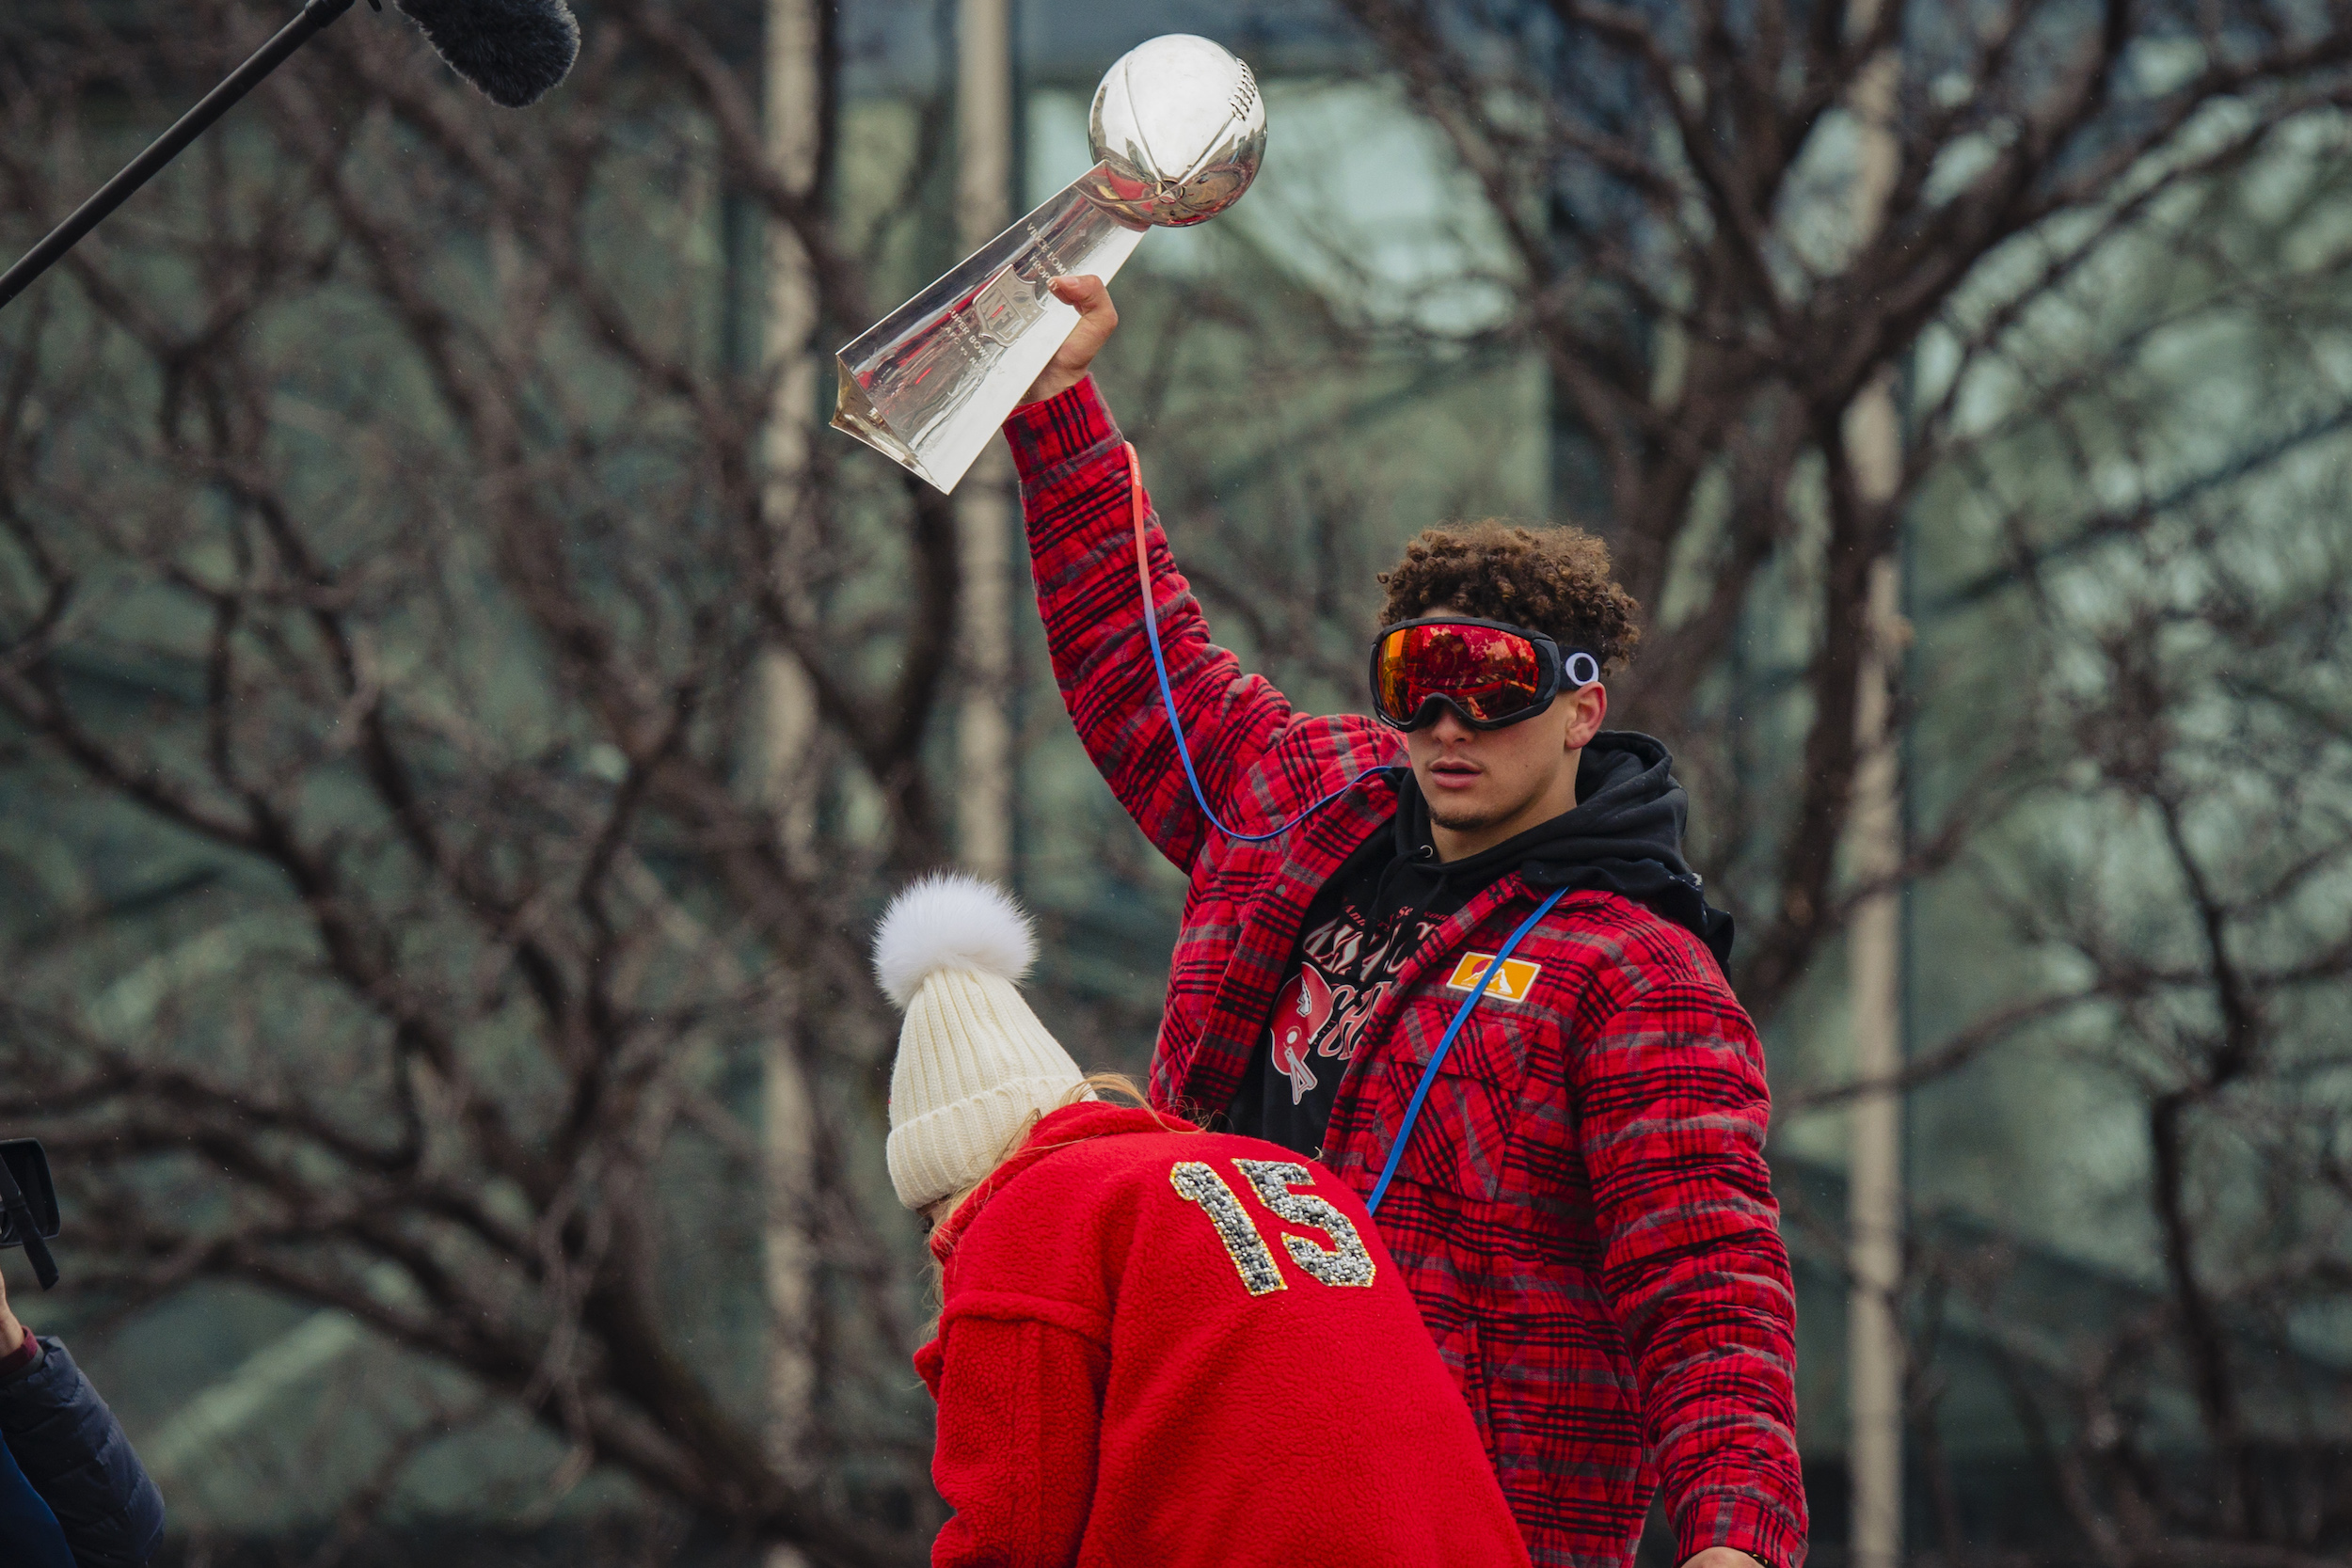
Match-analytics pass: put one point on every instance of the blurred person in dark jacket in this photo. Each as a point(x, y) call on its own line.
point(73, 1495)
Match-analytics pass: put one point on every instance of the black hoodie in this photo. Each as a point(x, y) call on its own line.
point(1623, 836)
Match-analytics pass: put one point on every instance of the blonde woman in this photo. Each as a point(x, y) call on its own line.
point(1155, 1344)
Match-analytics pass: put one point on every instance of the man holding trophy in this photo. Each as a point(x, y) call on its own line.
point(1452, 950)
point(1581, 1206)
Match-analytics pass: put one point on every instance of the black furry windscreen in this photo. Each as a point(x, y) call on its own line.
point(512, 49)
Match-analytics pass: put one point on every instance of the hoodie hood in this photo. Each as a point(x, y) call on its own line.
point(1625, 836)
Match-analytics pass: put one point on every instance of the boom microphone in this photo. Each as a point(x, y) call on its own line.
point(513, 51)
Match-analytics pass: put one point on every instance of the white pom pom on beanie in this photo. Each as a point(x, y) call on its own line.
point(975, 1066)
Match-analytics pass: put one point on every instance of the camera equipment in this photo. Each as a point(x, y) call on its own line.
point(512, 50)
point(28, 1204)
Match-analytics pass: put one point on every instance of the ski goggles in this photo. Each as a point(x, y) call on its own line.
point(1489, 673)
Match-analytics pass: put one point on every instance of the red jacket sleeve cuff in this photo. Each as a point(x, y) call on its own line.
point(1058, 431)
point(1747, 1523)
point(930, 1362)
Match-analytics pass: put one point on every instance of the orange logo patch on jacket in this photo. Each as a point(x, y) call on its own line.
point(1516, 979)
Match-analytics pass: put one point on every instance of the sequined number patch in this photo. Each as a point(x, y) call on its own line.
point(1201, 1185)
point(1346, 1263)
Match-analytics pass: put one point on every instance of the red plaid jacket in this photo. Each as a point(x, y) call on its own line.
point(1583, 1211)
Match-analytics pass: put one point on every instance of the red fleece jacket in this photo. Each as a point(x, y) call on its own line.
point(1168, 1347)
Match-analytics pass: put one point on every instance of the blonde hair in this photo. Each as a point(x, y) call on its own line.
point(1114, 1087)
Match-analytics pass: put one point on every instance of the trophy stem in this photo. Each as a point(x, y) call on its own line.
point(929, 384)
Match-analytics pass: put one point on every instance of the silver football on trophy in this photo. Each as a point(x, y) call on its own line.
point(1177, 131)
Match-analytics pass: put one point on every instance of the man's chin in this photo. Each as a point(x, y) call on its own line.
point(1462, 819)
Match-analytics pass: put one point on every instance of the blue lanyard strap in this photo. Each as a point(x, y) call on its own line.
point(1168, 696)
point(1201, 797)
point(1445, 1043)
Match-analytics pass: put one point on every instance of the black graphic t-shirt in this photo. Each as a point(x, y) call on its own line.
point(1359, 934)
point(1346, 965)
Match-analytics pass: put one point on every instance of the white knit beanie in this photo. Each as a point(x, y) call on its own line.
point(974, 1063)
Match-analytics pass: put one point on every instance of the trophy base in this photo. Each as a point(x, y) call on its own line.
point(854, 414)
point(929, 384)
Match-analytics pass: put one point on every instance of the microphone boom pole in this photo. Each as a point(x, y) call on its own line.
point(313, 19)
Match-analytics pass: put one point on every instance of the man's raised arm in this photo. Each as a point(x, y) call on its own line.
point(1075, 498)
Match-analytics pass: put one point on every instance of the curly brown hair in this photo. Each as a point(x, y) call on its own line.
point(1554, 581)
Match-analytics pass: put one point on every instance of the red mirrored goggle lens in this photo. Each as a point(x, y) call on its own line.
point(1490, 673)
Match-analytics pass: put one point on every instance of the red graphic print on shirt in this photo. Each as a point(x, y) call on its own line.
point(1299, 1014)
point(1344, 969)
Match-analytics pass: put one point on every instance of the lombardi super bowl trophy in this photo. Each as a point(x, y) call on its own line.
point(1177, 132)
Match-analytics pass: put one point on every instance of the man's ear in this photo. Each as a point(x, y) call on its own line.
point(1589, 708)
